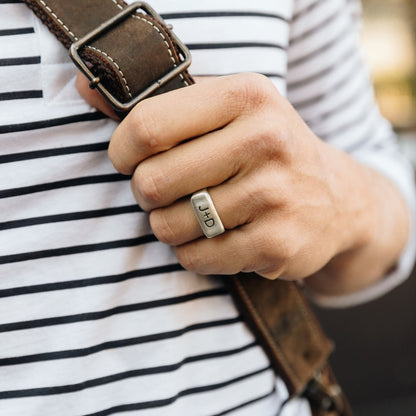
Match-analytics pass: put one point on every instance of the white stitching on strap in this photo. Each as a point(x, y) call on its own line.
point(58, 19)
point(91, 47)
point(160, 33)
point(115, 64)
point(108, 56)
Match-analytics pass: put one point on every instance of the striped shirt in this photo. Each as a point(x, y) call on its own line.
point(96, 316)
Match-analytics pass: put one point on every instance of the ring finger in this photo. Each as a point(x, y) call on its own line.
point(177, 224)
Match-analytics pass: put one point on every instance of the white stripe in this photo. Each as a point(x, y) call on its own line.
point(100, 298)
point(18, 46)
point(15, 16)
point(146, 355)
point(223, 29)
point(88, 333)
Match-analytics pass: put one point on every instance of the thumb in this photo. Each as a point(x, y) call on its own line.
point(94, 98)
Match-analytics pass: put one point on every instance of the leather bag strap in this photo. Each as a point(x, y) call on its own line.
point(280, 317)
point(127, 52)
point(283, 321)
point(130, 54)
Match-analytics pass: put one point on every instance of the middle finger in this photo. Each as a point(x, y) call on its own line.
point(204, 162)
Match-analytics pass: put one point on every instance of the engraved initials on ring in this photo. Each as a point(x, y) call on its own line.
point(206, 214)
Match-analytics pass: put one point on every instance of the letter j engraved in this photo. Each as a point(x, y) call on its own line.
point(206, 214)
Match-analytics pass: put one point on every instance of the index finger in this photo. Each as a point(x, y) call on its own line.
point(160, 123)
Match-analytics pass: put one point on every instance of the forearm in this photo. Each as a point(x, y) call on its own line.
point(377, 228)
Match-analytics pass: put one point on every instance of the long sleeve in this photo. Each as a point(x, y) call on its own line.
point(330, 87)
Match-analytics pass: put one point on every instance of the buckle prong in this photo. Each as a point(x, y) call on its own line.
point(95, 81)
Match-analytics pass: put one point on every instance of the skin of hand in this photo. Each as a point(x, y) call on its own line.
point(292, 205)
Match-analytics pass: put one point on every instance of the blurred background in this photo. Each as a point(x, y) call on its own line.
point(389, 44)
point(375, 358)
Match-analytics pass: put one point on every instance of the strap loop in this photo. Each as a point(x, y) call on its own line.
point(126, 51)
point(95, 81)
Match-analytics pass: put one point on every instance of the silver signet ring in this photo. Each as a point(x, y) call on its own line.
point(206, 214)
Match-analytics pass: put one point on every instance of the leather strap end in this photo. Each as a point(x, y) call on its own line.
point(280, 317)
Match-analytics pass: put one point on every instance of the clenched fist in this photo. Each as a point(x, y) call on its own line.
point(292, 205)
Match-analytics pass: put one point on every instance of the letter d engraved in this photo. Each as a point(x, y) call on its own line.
point(209, 223)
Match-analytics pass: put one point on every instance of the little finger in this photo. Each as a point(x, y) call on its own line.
point(238, 250)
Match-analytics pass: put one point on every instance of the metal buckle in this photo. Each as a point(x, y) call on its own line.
point(324, 398)
point(95, 81)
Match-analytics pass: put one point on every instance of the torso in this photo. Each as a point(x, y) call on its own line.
point(96, 314)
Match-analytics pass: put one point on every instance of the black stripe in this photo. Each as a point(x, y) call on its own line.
point(93, 281)
point(307, 9)
point(83, 352)
point(320, 25)
point(30, 60)
point(42, 124)
point(283, 405)
point(49, 186)
point(71, 388)
point(21, 31)
point(272, 75)
point(66, 251)
point(10, 1)
point(349, 53)
point(71, 216)
point(187, 15)
point(266, 74)
point(20, 95)
point(232, 45)
point(93, 316)
point(361, 117)
point(339, 107)
point(388, 144)
point(39, 154)
point(363, 140)
point(170, 400)
point(245, 404)
point(323, 48)
point(332, 89)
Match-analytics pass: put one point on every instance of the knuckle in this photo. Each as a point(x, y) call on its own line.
point(263, 191)
point(115, 158)
point(146, 186)
point(265, 143)
point(276, 253)
point(285, 252)
point(272, 272)
point(254, 89)
point(162, 228)
point(187, 260)
point(146, 128)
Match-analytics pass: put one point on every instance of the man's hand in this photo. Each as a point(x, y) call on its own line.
point(290, 203)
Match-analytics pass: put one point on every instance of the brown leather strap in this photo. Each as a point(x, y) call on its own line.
point(119, 58)
point(284, 323)
point(280, 317)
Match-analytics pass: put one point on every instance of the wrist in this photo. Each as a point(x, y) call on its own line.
point(353, 190)
point(372, 231)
